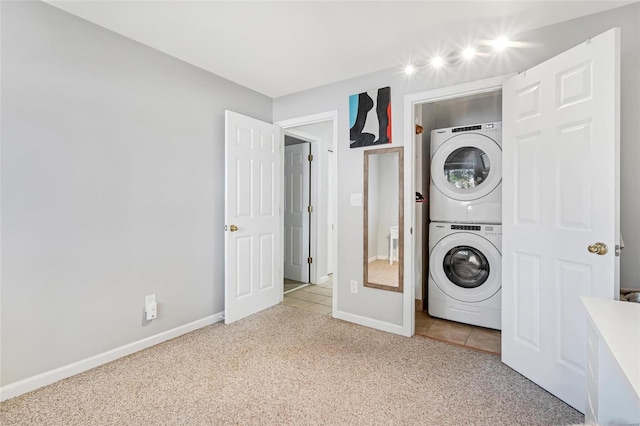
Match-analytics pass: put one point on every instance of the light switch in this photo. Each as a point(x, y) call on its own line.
point(356, 200)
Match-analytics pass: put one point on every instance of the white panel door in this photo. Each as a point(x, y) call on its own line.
point(296, 215)
point(560, 196)
point(253, 259)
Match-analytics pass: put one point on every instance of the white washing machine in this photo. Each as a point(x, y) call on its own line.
point(465, 273)
point(466, 174)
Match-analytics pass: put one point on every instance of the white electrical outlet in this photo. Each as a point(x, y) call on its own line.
point(354, 286)
point(151, 307)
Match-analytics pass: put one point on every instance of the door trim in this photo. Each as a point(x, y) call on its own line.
point(410, 102)
point(286, 126)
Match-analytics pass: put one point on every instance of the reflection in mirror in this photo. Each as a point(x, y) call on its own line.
point(383, 218)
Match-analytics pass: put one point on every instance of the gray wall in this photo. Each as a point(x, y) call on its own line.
point(289, 140)
point(112, 188)
point(460, 112)
point(545, 43)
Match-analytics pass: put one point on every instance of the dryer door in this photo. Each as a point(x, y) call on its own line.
point(466, 267)
point(467, 167)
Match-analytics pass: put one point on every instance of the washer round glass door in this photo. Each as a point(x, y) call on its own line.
point(467, 167)
point(466, 267)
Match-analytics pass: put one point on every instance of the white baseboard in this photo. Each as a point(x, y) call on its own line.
point(43, 379)
point(371, 323)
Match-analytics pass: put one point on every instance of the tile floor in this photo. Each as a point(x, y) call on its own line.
point(290, 285)
point(318, 298)
point(469, 336)
point(314, 298)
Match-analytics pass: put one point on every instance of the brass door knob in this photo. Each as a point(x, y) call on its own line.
point(233, 228)
point(598, 248)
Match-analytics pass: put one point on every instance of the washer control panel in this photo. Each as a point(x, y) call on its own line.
point(484, 128)
point(467, 128)
point(466, 228)
point(485, 229)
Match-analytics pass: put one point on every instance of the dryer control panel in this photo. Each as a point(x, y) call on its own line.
point(467, 128)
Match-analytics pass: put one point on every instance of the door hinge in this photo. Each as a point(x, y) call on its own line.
point(310, 209)
point(310, 157)
point(309, 259)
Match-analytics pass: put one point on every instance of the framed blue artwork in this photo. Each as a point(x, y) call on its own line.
point(370, 118)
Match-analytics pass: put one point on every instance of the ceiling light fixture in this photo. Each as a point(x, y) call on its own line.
point(437, 62)
point(469, 53)
point(409, 69)
point(451, 59)
point(500, 43)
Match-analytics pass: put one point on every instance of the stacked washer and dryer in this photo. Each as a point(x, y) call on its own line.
point(465, 233)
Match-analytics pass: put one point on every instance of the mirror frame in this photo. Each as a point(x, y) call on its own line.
point(365, 281)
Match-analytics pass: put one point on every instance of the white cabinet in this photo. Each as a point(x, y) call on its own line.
point(613, 362)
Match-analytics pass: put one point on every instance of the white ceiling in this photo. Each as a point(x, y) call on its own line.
point(278, 48)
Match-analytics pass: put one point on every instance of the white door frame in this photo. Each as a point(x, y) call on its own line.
point(286, 125)
point(314, 141)
point(331, 211)
point(410, 101)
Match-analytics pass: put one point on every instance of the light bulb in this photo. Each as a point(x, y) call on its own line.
point(409, 69)
point(469, 53)
point(437, 61)
point(500, 43)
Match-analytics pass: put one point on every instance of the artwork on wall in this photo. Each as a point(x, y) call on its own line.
point(370, 118)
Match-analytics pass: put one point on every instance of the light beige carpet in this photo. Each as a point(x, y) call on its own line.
point(380, 272)
point(286, 366)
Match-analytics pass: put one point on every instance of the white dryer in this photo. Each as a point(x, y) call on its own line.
point(465, 273)
point(466, 174)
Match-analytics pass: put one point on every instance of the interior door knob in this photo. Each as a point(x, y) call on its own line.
point(598, 248)
point(233, 228)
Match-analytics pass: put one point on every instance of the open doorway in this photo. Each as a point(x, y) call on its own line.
point(311, 139)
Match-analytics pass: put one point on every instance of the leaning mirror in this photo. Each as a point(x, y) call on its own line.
point(383, 218)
